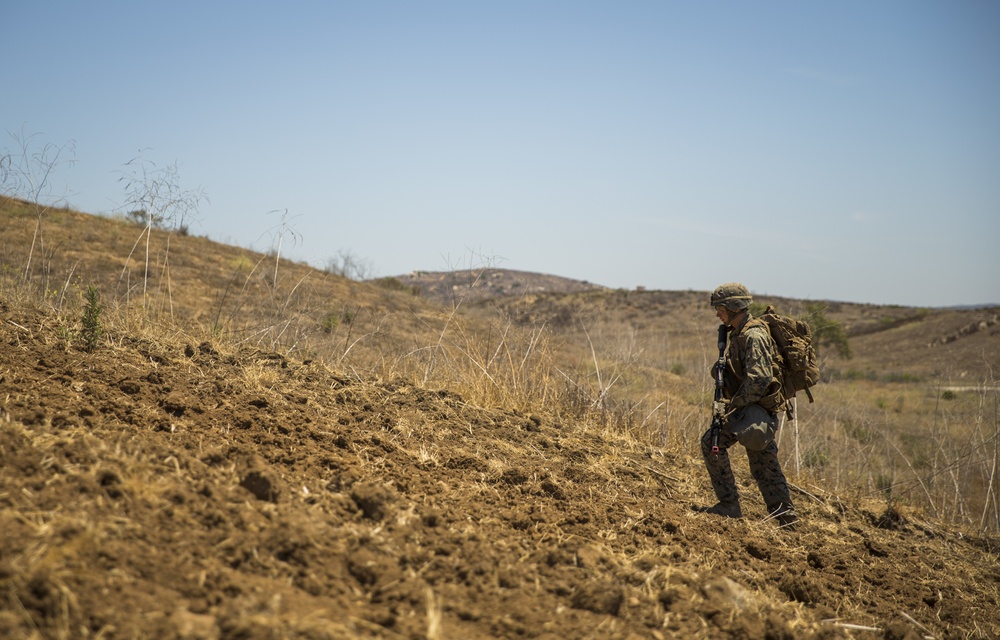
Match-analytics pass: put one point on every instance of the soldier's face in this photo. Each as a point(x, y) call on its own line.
point(723, 314)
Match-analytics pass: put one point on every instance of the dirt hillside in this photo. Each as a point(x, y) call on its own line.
point(162, 489)
point(258, 450)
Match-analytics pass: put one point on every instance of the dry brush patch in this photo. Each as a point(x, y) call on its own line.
point(906, 444)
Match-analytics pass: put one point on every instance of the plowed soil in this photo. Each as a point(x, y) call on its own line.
point(174, 490)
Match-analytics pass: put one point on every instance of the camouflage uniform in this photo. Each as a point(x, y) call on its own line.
point(753, 391)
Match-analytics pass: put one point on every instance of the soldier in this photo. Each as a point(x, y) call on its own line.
point(752, 395)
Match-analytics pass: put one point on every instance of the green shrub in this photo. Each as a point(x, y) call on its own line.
point(816, 457)
point(861, 432)
point(826, 332)
point(393, 284)
point(330, 322)
point(92, 330)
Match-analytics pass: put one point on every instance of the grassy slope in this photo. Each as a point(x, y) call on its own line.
point(224, 488)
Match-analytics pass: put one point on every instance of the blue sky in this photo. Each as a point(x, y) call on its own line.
point(820, 150)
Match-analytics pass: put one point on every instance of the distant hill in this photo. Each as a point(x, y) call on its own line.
point(944, 343)
point(450, 287)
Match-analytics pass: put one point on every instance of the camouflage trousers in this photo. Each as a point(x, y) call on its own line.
point(754, 428)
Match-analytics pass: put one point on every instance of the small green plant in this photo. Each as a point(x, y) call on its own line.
point(92, 329)
point(816, 457)
point(861, 432)
point(883, 484)
point(330, 322)
point(855, 374)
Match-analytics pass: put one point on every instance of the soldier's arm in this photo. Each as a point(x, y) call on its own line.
point(757, 369)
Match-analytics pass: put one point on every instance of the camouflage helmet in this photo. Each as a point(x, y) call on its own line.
point(732, 295)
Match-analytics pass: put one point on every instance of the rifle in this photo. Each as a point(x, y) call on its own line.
point(720, 368)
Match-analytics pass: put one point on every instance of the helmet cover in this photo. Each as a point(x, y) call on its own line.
point(732, 295)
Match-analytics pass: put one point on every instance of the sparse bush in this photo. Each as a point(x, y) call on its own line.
point(393, 284)
point(347, 265)
point(826, 332)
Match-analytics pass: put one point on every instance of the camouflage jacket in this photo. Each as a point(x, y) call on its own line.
point(752, 371)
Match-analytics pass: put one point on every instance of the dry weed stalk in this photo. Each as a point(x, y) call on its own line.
point(434, 616)
point(153, 197)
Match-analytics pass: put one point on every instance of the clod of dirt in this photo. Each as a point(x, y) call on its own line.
point(194, 626)
point(370, 568)
point(801, 589)
point(600, 597)
point(551, 488)
point(723, 591)
point(111, 481)
point(899, 630)
point(758, 551)
point(129, 387)
point(891, 519)
point(261, 484)
point(372, 499)
point(591, 557)
point(816, 560)
point(513, 477)
point(876, 549)
point(42, 594)
point(206, 348)
point(174, 405)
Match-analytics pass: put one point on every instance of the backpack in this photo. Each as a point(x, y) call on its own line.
point(796, 358)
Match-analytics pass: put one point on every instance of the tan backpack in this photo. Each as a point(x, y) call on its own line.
point(799, 366)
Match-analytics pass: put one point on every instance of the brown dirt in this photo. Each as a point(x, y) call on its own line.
point(157, 489)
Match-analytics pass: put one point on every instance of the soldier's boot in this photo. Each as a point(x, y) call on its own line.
point(787, 520)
